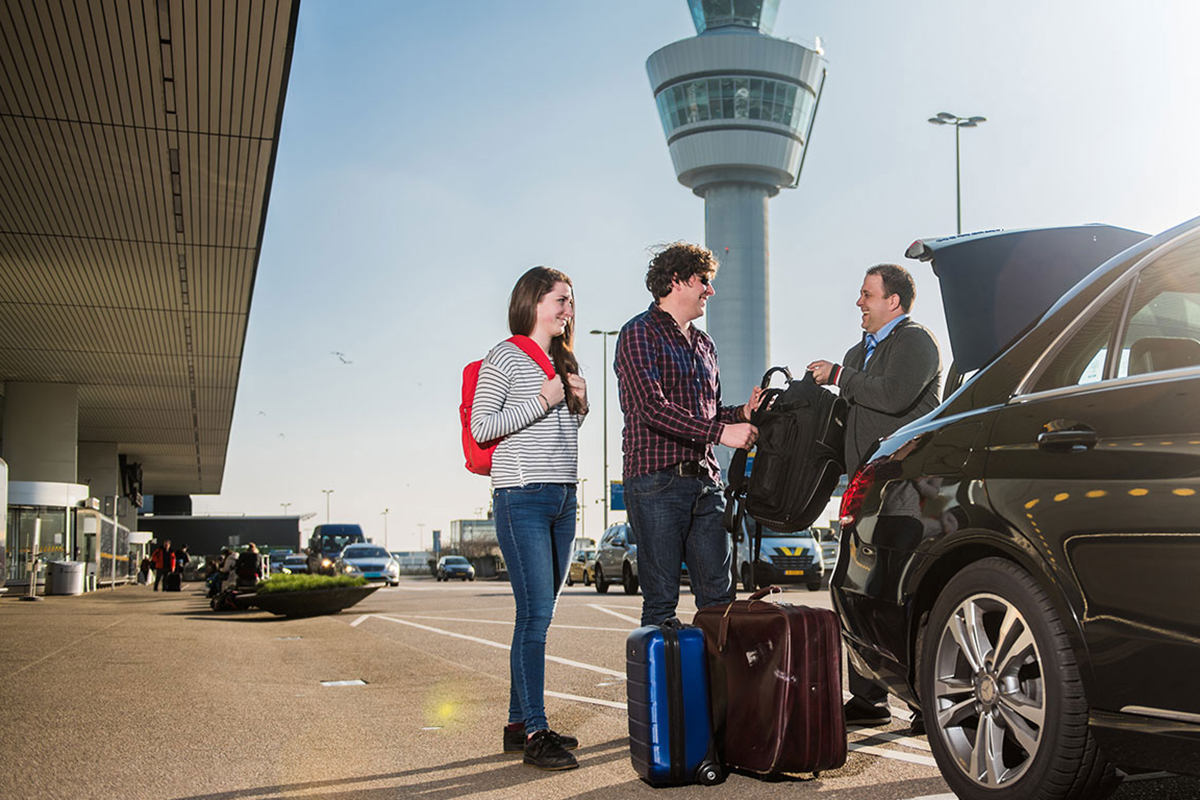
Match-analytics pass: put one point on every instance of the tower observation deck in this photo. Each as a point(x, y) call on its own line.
point(737, 107)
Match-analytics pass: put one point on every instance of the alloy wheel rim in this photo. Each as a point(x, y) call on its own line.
point(989, 691)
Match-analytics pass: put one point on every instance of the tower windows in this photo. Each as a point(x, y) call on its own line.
point(735, 98)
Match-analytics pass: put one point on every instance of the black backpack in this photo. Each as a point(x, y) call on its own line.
point(798, 459)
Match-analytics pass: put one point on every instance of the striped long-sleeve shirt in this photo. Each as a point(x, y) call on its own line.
point(538, 446)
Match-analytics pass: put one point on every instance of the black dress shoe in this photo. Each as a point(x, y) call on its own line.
point(860, 712)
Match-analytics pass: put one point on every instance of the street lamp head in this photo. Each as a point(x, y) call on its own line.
point(937, 121)
point(974, 120)
point(946, 116)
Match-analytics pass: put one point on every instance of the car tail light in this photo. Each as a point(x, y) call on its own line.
point(856, 492)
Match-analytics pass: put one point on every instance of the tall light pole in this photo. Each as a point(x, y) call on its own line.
point(604, 411)
point(327, 493)
point(946, 118)
point(385, 541)
point(285, 508)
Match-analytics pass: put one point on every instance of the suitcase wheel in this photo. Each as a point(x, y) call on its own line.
point(709, 774)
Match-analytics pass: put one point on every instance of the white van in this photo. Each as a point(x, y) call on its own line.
point(783, 558)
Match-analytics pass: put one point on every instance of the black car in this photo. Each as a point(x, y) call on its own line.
point(454, 567)
point(1022, 563)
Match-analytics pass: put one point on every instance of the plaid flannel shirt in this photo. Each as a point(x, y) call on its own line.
point(670, 393)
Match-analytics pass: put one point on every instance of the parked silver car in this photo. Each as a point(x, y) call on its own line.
point(616, 559)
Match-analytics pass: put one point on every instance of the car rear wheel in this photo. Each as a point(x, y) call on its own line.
point(587, 579)
point(570, 582)
point(601, 584)
point(814, 586)
point(629, 581)
point(1000, 687)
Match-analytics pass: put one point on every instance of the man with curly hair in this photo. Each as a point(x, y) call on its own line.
point(670, 392)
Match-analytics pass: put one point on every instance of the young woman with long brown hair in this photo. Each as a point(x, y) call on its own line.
point(534, 474)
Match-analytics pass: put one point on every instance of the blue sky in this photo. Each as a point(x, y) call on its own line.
point(431, 152)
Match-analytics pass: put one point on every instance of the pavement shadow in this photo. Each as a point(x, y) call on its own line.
point(479, 775)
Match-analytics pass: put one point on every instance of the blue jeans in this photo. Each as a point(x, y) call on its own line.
point(678, 519)
point(528, 518)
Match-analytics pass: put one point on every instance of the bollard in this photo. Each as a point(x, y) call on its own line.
point(33, 565)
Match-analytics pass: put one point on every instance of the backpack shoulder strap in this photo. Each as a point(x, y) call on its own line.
point(534, 351)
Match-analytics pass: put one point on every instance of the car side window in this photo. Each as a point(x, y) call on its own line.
point(1082, 358)
point(1163, 331)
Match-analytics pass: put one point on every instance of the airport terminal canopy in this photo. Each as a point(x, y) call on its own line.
point(716, 14)
point(137, 147)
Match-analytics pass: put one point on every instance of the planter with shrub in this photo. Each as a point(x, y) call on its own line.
point(309, 595)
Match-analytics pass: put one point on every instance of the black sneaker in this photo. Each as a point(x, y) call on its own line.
point(542, 750)
point(514, 739)
point(860, 712)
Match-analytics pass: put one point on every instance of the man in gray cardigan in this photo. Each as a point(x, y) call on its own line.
point(889, 379)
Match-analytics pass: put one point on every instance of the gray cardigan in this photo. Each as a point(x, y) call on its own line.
point(900, 384)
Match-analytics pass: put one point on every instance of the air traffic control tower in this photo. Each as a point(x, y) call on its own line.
point(737, 106)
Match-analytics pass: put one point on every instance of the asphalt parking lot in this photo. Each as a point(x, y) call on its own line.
point(133, 694)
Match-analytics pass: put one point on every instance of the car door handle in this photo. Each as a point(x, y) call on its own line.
point(1070, 439)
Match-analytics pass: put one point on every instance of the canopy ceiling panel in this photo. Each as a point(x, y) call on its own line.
point(137, 148)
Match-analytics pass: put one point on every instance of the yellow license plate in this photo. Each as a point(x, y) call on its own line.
point(793, 572)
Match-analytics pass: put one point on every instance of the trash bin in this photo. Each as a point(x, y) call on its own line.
point(64, 577)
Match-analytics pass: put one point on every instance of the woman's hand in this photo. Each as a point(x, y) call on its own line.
point(578, 386)
point(552, 392)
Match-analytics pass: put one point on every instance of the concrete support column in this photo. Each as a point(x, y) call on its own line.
point(99, 469)
point(41, 431)
point(127, 514)
point(735, 229)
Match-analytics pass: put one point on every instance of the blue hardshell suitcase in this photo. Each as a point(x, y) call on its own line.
point(670, 728)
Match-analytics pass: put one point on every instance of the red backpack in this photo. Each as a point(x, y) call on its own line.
point(479, 456)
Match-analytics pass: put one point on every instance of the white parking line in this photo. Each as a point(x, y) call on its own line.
point(509, 623)
point(556, 659)
point(616, 614)
point(580, 699)
point(890, 736)
point(895, 755)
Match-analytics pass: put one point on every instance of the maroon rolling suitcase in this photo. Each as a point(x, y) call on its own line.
point(776, 676)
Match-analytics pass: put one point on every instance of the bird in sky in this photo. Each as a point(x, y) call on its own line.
point(341, 356)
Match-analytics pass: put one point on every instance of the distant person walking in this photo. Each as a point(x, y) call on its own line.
point(181, 560)
point(670, 391)
point(889, 378)
point(163, 561)
point(534, 473)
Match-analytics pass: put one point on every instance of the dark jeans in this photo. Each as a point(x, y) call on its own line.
point(528, 518)
point(677, 519)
